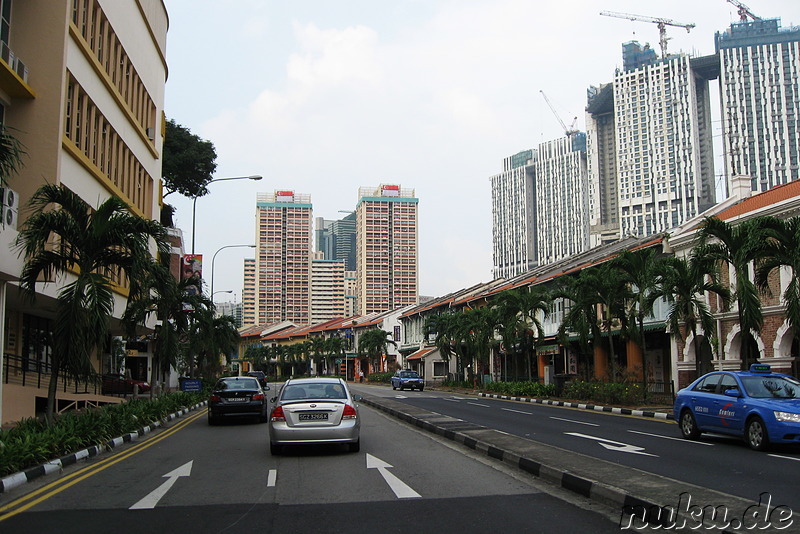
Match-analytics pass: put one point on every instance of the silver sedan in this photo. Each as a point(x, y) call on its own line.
point(314, 410)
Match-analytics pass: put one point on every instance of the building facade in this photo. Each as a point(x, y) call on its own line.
point(327, 289)
point(514, 216)
point(249, 313)
point(387, 249)
point(760, 94)
point(82, 88)
point(283, 257)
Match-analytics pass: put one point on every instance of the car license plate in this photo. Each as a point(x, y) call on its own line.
point(313, 417)
point(237, 399)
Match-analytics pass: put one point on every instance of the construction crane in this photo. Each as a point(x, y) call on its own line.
point(662, 25)
point(568, 131)
point(744, 11)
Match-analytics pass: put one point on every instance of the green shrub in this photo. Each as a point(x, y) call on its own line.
point(464, 384)
point(32, 442)
point(380, 377)
point(521, 389)
point(605, 392)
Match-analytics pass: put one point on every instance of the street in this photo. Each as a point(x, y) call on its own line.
point(196, 478)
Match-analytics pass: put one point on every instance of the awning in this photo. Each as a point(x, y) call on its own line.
point(420, 354)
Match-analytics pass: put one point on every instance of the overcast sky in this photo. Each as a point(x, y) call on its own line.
point(325, 96)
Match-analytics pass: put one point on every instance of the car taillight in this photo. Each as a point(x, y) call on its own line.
point(349, 412)
point(258, 396)
point(277, 414)
point(215, 398)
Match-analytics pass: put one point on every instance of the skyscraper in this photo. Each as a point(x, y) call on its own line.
point(513, 216)
point(249, 293)
point(283, 257)
point(327, 289)
point(663, 159)
point(387, 260)
point(337, 239)
point(760, 94)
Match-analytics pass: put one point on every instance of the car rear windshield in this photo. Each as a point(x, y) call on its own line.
point(771, 387)
point(313, 391)
point(238, 383)
point(409, 374)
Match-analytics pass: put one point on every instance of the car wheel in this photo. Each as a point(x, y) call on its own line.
point(394, 387)
point(689, 425)
point(354, 447)
point(421, 388)
point(756, 434)
point(401, 387)
point(274, 449)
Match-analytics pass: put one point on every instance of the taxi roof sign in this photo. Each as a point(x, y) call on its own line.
point(760, 368)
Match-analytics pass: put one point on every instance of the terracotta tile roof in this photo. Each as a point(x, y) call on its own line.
point(775, 195)
point(421, 353)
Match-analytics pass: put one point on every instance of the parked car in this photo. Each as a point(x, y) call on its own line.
point(758, 405)
point(237, 396)
point(314, 410)
point(407, 378)
point(114, 383)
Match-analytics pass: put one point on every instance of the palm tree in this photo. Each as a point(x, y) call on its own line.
point(738, 245)
point(373, 344)
point(683, 284)
point(518, 313)
point(580, 315)
point(95, 246)
point(11, 153)
point(640, 269)
point(782, 249)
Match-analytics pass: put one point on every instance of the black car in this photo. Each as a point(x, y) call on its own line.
point(262, 378)
point(237, 396)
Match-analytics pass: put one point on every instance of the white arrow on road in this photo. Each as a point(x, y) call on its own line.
point(400, 489)
point(152, 499)
point(613, 445)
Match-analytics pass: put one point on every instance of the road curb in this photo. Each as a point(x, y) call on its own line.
point(57, 465)
point(593, 407)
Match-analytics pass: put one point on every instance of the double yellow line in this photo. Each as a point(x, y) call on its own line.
point(35, 497)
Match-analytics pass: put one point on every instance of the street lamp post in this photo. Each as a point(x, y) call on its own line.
point(214, 258)
point(220, 291)
point(194, 201)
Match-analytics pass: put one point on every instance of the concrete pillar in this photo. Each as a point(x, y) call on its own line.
point(600, 362)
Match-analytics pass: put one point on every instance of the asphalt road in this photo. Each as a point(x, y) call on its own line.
point(194, 478)
point(717, 462)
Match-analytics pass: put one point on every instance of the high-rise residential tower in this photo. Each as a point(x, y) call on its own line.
point(513, 216)
point(760, 94)
point(283, 258)
point(249, 293)
point(327, 289)
point(387, 259)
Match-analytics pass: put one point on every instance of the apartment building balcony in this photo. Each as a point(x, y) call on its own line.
point(14, 74)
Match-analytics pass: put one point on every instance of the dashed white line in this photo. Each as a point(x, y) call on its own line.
point(573, 421)
point(272, 478)
point(516, 411)
point(477, 404)
point(670, 437)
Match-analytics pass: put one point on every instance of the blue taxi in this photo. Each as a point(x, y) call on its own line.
point(761, 406)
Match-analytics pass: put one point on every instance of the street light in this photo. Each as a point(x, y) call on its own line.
point(214, 258)
point(194, 201)
point(220, 291)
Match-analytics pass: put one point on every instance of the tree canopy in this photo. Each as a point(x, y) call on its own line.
point(188, 161)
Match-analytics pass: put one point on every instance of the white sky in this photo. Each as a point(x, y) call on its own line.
point(325, 96)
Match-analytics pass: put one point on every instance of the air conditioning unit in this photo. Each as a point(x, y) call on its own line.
point(9, 216)
point(21, 70)
point(151, 134)
point(9, 198)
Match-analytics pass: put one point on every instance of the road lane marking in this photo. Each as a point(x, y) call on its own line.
point(516, 411)
point(671, 437)
point(57, 486)
point(478, 404)
point(784, 457)
point(151, 500)
point(613, 445)
point(574, 421)
point(272, 478)
point(450, 400)
point(400, 489)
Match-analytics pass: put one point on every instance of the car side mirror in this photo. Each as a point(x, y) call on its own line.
point(733, 392)
point(357, 398)
point(273, 399)
point(266, 387)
